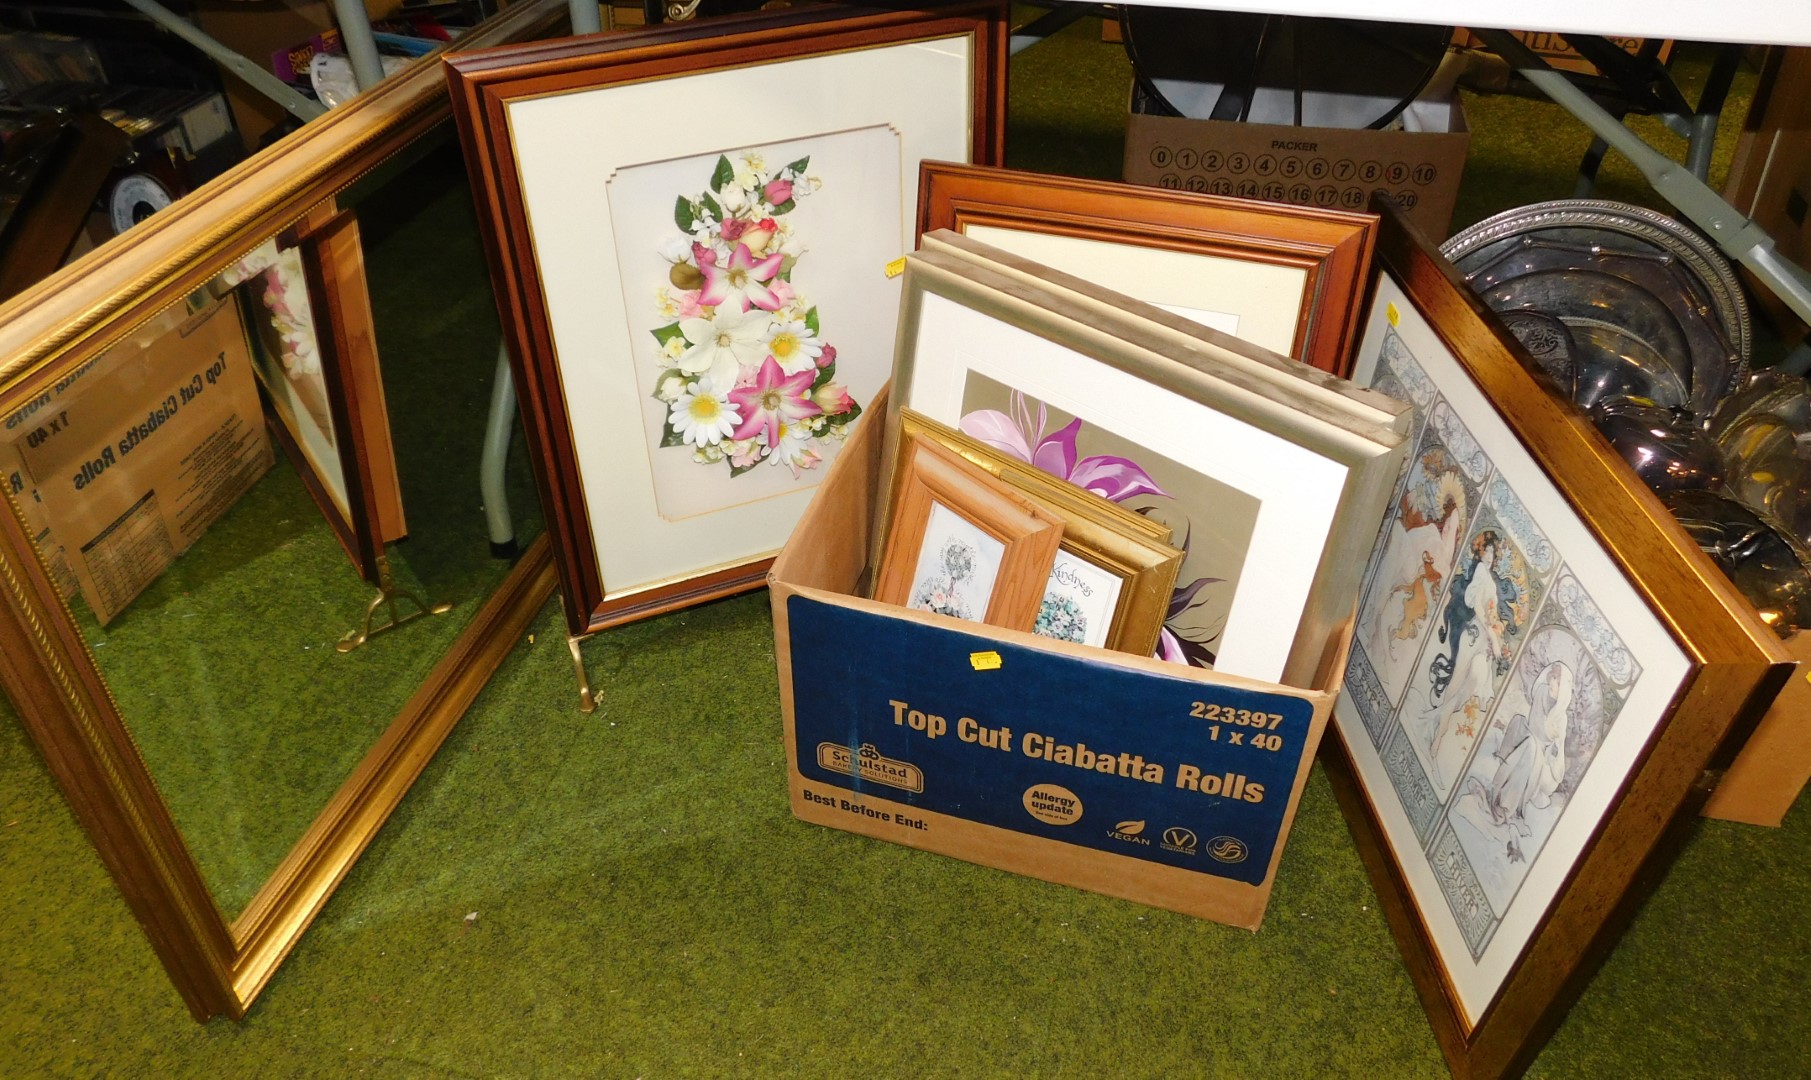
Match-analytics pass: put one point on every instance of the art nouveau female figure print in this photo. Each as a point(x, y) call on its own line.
point(1419, 549)
point(1480, 626)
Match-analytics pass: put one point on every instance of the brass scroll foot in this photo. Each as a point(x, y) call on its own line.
point(388, 592)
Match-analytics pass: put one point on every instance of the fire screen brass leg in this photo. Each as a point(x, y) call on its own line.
point(387, 594)
point(587, 701)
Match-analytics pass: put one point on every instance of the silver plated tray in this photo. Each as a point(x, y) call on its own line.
point(1643, 248)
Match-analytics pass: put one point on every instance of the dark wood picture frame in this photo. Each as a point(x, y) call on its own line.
point(1733, 663)
point(1332, 247)
point(485, 84)
point(930, 475)
point(333, 264)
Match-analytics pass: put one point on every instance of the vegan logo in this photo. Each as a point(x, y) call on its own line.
point(1130, 832)
point(1177, 838)
point(1228, 849)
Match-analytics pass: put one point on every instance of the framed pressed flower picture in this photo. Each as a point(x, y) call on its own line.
point(963, 543)
point(1543, 667)
point(1285, 278)
point(691, 228)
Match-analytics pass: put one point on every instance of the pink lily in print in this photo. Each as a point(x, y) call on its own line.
point(1112, 477)
point(744, 281)
point(775, 398)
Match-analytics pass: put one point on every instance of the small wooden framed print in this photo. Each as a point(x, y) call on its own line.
point(1290, 279)
point(1543, 666)
point(962, 543)
point(690, 227)
point(1111, 583)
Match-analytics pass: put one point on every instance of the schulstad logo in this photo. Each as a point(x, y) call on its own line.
point(870, 765)
point(1129, 832)
point(1177, 838)
point(1228, 849)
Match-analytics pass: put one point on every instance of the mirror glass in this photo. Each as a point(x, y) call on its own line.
point(224, 666)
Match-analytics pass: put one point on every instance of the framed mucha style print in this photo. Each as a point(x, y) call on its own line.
point(1543, 666)
point(964, 544)
point(1270, 506)
point(1286, 278)
point(1110, 583)
point(690, 230)
point(308, 316)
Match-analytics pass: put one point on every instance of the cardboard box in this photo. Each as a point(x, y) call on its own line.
point(126, 462)
point(1154, 782)
point(1773, 766)
point(1332, 168)
point(1552, 48)
point(1770, 174)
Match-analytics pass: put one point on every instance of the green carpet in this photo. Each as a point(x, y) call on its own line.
point(626, 894)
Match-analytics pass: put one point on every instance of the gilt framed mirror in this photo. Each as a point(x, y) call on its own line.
point(228, 762)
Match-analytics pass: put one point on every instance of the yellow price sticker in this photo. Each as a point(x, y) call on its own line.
point(984, 661)
point(896, 267)
point(1390, 313)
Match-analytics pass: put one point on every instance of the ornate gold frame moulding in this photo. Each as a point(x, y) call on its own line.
point(487, 86)
point(1494, 996)
point(70, 318)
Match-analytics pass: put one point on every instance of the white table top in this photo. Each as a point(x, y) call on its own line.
point(1757, 22)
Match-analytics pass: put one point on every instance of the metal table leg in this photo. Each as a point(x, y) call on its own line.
point(495, 459)
point(1739, 237)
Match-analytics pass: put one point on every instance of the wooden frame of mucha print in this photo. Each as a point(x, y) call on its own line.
point(961, 542)
point(327, 409)
point(220, 966)
point(1116, 568)
point(691, 303)
point(1288, 278)
point(1543, 667)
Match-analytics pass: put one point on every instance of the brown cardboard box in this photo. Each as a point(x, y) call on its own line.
point(1333, 168)
point(1030, 755)
point(1770, 175)
point(1772, 768)
point(1553, 48)
point(134, 456)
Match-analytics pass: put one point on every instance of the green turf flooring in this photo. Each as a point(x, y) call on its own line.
point(627, 895)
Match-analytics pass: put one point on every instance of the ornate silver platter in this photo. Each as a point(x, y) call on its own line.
point(1608, 271)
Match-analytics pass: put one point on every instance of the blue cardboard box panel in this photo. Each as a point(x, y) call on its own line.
point(1162, 784)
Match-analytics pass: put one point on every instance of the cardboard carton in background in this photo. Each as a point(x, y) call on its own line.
point(1552, 48)
point(1332, 168)
point(131, 458)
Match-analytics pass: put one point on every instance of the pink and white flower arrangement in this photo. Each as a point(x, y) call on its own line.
point(746, 375)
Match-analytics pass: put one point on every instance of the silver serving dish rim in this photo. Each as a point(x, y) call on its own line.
point(1702, 259)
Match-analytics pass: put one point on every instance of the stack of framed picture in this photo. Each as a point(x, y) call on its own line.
point(702, 316)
